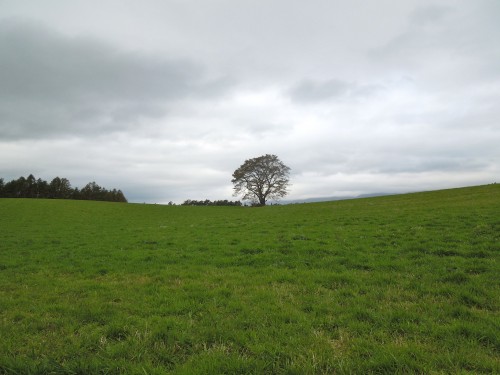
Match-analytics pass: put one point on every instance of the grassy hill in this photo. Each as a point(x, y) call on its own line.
point(397, 284)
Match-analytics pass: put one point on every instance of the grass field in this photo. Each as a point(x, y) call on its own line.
point(387, 285)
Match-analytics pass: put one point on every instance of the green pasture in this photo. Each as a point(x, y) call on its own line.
point(390, 285)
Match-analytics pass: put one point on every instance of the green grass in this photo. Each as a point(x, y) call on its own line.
point(398, 284)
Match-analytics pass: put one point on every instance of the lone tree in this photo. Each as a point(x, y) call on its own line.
point(262, 178)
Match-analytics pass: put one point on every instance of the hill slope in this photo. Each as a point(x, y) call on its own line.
point(405, 283)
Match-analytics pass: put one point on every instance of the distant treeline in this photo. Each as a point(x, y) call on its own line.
point(58, 188)
point(208, 202)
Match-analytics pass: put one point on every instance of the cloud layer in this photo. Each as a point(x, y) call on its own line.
point(165, 99)
point(54, 85)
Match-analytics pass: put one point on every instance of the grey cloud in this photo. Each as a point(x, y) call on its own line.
point(310, 91)
point(54, 85)
point(436, 36)
point(436, 162)
point(325, 86)
point(314, 91)
point(429, 14)
point(373, 162)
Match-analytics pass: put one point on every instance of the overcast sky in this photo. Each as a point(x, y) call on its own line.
point(164, 99)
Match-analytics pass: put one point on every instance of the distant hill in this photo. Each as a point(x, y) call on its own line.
point(333, 198)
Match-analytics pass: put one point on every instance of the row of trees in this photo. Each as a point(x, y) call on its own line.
point(58, 188)
point(258, 180)
point(208, 202)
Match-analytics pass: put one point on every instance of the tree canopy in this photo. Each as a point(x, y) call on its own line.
point(261, 178)
point(58, 188)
